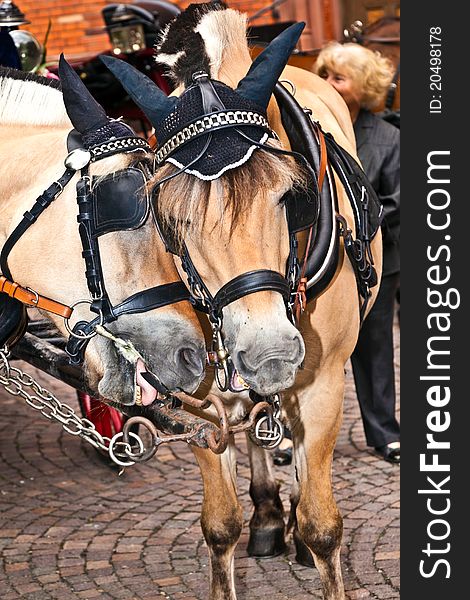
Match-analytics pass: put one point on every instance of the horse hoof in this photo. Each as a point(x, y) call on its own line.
point(302, 554)
point(266, 543)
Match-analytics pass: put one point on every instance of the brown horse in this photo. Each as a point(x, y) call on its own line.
point(234, 223)
point(48, 258)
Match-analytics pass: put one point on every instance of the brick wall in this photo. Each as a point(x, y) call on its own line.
point(71, 19)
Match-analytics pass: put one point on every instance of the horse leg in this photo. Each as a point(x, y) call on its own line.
point(221, 518)
point(267, 523)
point(302, 554)
point(318, 521)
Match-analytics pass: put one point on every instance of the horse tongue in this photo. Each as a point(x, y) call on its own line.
point(148, 392)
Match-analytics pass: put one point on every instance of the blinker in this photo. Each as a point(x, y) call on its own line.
point(77, 159)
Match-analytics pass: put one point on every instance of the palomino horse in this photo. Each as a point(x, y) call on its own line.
point(47, 258)
point(221, 203)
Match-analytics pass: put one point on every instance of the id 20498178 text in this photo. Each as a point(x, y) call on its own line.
point(435, 67)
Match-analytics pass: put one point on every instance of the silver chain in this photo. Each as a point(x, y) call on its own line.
point(23, 385)
point(210, 122)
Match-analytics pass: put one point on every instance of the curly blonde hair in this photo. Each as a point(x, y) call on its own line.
point(371, 72)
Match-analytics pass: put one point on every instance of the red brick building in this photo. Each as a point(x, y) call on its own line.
point(71, 19)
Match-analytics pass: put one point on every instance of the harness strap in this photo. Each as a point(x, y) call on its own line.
point(300, 300)
point(32, 298)
point(91, 254)
point(323, 158)
point(155, 297)
point(30, 216)
point(250, 283)
point(149, 299)
point(152, 141)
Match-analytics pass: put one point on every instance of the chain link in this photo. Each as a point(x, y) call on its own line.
point(23, 385)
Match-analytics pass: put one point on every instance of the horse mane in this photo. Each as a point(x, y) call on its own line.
point(29, 99)
point(183, 200)
point(197, 39)
point(200, 39)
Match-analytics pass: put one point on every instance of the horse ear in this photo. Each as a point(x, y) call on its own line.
point(83, 110)
point(258, 84)
point(149, 97)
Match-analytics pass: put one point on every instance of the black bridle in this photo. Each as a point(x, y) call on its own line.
point(94, 220)
point(302, 212)
point(246, 283)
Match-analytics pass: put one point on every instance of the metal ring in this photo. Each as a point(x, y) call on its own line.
point(271, 437)
point(36, 299)
point(224, 384)
point(82, 336)
point(113, 442)
point(292, 85)
point(61, 189)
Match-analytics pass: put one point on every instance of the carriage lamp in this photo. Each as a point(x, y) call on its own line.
point(126, 33)
point(18, 48)
point(126, 40)
point(29, 49)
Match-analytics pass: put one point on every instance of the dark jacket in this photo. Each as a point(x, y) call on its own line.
point(378, 147)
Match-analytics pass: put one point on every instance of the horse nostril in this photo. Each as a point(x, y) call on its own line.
point(298, 353)
point(243, 364)
point(190, 359)
point(276, 358)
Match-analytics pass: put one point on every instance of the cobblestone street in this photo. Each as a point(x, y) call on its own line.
point(71, 528)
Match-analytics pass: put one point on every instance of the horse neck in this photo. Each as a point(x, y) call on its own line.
point(33, 160)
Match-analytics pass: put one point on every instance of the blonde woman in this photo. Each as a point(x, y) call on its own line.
point(362, 78)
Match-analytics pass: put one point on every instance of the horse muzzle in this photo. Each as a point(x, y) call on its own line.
point(270, 369)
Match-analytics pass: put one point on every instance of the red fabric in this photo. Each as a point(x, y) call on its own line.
point(107, 420)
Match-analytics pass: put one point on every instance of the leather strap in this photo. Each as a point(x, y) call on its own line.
point(31, 298)
point(300, 301)
point(91, 253)
point(250, 283)
point(30, 216)
point(156, 297)
point(323, 158)
point(210, 98)
point(152, 141)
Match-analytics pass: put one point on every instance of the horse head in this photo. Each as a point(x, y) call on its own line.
point(220, 195)
point(127, 280)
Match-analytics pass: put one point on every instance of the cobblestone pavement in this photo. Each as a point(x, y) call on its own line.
point(70, 528)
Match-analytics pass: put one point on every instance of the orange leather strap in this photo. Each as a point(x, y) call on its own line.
point(152, 141)
point(323, 158)
point(301, 293)
point(31, 298)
